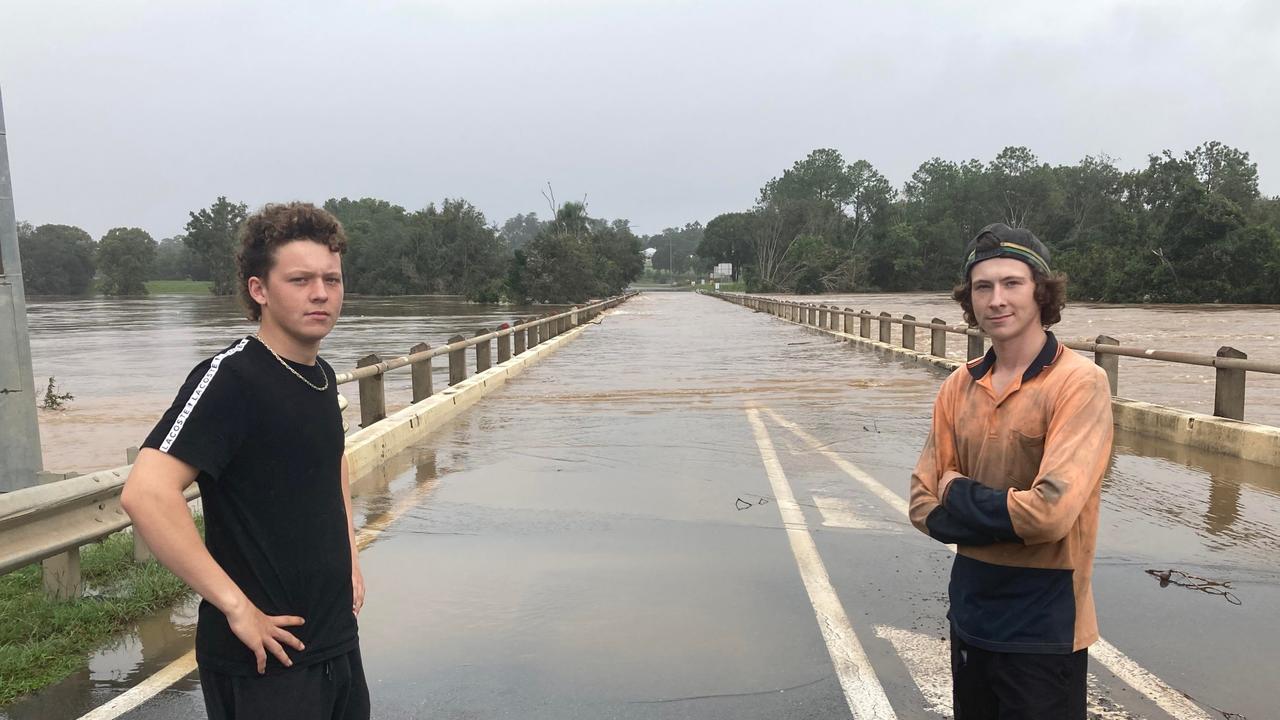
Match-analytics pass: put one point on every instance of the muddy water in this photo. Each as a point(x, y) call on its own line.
point(596, 540)
point(124, 360)
point(1202, 329)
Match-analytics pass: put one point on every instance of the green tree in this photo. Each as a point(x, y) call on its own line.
point(576, 257)
point(125, 259)
point(727, 238)
point(517, 231)
point(211, 237)
point(471, 257)
point(56, 259)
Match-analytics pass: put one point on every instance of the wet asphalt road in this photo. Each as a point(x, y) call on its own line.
point(601, 539)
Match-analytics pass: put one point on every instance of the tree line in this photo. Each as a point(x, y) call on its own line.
point(1184, 228)
point(442, 249)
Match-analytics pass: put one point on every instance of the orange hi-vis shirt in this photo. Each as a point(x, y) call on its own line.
point(1025, 514)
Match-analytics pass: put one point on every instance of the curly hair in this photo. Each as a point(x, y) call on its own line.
point(275, 225)
point(1050, 294)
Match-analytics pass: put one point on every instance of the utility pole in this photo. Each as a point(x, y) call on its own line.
point(19, 428)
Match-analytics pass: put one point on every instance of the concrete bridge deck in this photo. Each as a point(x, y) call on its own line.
point(695, 511)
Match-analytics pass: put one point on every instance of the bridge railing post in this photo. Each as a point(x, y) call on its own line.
point(1109, 362)
point(60, 574)
point(483, 352)
point(822, 316)
point(373, 398)
point(421, 374)
point(521, 337)
point(847, 326)
point(909, 332)
point(1228, 391)
point(504, 344)
point(457, 362)
point(864, 323)
point(938, 338)
point(886, 328)
point(975, 349)
point(835, 318)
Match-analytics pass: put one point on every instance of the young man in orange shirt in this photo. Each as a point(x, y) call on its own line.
point(1012, 474)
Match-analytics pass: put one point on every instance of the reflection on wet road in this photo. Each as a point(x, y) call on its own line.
point(605, 537)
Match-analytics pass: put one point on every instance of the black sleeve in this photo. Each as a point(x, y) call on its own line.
point(981, 508)
point(945, 527)
point(206, 423)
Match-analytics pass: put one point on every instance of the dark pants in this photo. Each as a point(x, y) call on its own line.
point(331, 690)
point(1016, 686)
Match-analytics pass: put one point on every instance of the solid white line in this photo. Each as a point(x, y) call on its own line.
point(844, 514)
point(145, 690)
point(862, 689)
point(1134, 675)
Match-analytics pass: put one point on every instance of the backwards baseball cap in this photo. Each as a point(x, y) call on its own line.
point(1004, 241)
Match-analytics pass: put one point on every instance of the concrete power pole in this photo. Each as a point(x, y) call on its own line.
point(19, 428)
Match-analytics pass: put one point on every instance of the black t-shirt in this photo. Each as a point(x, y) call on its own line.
point(269, 451)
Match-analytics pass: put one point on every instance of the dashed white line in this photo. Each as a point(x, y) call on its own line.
point(1144, 681)
point(862, 689)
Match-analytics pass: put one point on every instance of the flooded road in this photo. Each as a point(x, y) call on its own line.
point(125, 359)
point(604, 538)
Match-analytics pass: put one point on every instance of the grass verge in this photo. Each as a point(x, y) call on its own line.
point(43, 641)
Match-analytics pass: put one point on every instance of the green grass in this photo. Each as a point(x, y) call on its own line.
point(43, 641)
point(732, 286)
point(179, 287)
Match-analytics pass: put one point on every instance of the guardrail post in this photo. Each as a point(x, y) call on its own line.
point(975, 344)
point(457, 362)
point(504, 344)
point(1109, 362)
point(864, 323)
point(835, 319)
point(1228, 392)
point(886, 329)
point(483, 352)
point(822, 316)
point(373, 398)
point(847, 327)
point(938, 338)
point(573, 319)
point(421, 372)
point(909, 333)
point(535, 336)
point(521, 338)
point(61, 573)
point(141, 553)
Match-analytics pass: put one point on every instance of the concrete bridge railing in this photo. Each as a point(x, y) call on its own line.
point(1260, 443)
point(49, 523)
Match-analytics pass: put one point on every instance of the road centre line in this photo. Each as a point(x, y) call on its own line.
point(862, 689)
point(175, 671)
point(1145, 682)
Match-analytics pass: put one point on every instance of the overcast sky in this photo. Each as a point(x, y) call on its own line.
point(127, 113)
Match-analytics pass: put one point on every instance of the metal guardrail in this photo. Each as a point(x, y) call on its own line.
point(1231, 364)
point(50, 522)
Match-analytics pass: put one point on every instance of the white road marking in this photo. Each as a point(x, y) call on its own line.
point(145, 690)
point(185, 665)
point(862, 689)
point(928, 659)
point(1134, 675)
point(845, 514)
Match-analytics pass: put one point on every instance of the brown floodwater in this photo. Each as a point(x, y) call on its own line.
point(1202, 329)
point(123, 360)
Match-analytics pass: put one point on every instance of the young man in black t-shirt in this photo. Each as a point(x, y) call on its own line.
point(258, 427)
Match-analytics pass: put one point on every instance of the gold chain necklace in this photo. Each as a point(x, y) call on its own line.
point(297, 374)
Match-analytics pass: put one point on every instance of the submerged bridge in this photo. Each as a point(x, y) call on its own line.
point(680, 508)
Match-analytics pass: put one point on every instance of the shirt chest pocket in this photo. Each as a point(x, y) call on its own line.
point(1023, 461)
